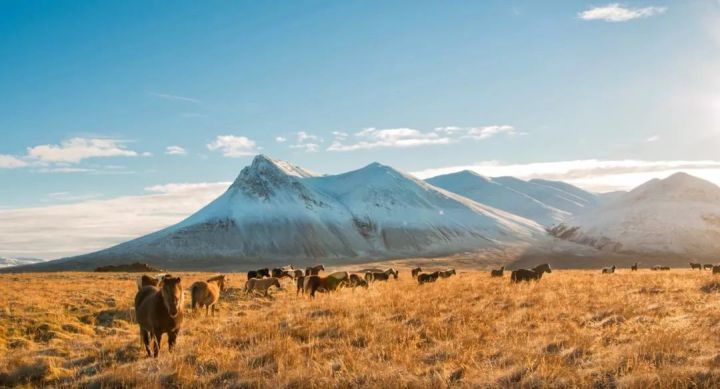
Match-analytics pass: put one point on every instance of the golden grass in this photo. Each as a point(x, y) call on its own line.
point(574, 328)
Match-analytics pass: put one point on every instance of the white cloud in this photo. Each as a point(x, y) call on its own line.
point(591, 174)
point(308, 142)
point(168, 96)
point(77, 149)
point(619, 13)
point(371, 138)
point(234, 146)
point(175, 150)
point(653, 138)
point(10, 162)
point(280, 139)
point(80, 227)
point(480, 133)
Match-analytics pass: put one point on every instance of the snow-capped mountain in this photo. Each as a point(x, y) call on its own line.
point(8, 262)
point(675, 216)
point(546, 202)
point(277, 212)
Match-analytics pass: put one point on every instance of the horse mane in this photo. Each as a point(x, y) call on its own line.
point(216, 278)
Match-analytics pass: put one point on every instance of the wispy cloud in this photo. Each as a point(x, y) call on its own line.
point(72, 197)
point(77, 149)
point(175, 150)
point(11, 162)
point(280, 139)
point(591, 174)
point(307, 142)
point(371, 138)
point(234, 146)
point(168, 96)
point(84, 226)
point(616, 12)
point(652, 138)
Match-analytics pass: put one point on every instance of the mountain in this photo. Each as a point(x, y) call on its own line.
point(546, 202)
point(8, 262)
point(275, 212)
point(678, 216)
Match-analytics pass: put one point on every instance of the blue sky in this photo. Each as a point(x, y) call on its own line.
point(94, 92)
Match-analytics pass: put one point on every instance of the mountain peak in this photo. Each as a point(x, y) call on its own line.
point(678, 186)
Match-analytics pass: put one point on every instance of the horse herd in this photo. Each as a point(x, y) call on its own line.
point(159, 301)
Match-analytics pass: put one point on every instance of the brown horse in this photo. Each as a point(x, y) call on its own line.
point(372, 276)
point(424, 278)
point(314, 270)
point(262, 285)
point(707, 266)
point(716, 269)
point(415, 271)
point(300, 283)
point(159, 310)
point(314, 284)
point(146, 280)
point(497, 272)
point(608, 270)
point(282, 272)
point(207, 293)
point(356, 280)
point(694, 266)
point(634, 267)
point(530, 274)
point(447, 273)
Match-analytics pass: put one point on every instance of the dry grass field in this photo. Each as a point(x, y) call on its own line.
point(572, 329)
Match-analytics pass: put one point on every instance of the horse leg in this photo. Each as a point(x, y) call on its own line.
point(207, 307)
point(172, 337)
point(157, 338)
point(213, 309)
point(145, 336)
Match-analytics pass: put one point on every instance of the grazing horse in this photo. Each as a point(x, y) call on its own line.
point(262, 285)
point(694, 266)
point(314, 270)
point(634, 267)
point(207, 293)
point(314, 284)
point(356, 281)
point(159, 310)
point(424, 278)
point(608, 270)
point(381, 275)
point(664, 267)
point(447, 273)
point(530, 274)
point(281, 272)
point(260, 273)
point(415, 272)
point(707, 266)
point(497, 272)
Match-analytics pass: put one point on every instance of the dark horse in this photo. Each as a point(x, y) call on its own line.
point(694, 266)
point(634, 267)
point(424, 278)
point(497, 272)
point(528, 274)
point(159, 310)
point(260, 273)
point(314, 270)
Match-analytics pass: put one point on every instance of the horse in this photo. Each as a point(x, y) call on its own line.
point(300, 283)
point(159, 310)
point(608, 270)
point(497, 272)
point(260, 273)
point(694, 266)
point(707, 266)
point(314, 270)
point(415, 271)
point(715, 269)
point(447, 273)
point(262, 285)
point(356, 280)
point(207, 293)
point(634, 267)
point(281, 272)
point(664, 267)
point(381, 275)
point(297, 273)
point(340, 276)
point(424, 278)
point(530, 274)
point(314, 284)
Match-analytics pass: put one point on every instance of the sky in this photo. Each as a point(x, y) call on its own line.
point(147, 109)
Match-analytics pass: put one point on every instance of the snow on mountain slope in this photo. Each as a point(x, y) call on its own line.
point(679, 215)
point(488, 191)
point(276, 212)
point(552, 194)
point(8, 262)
